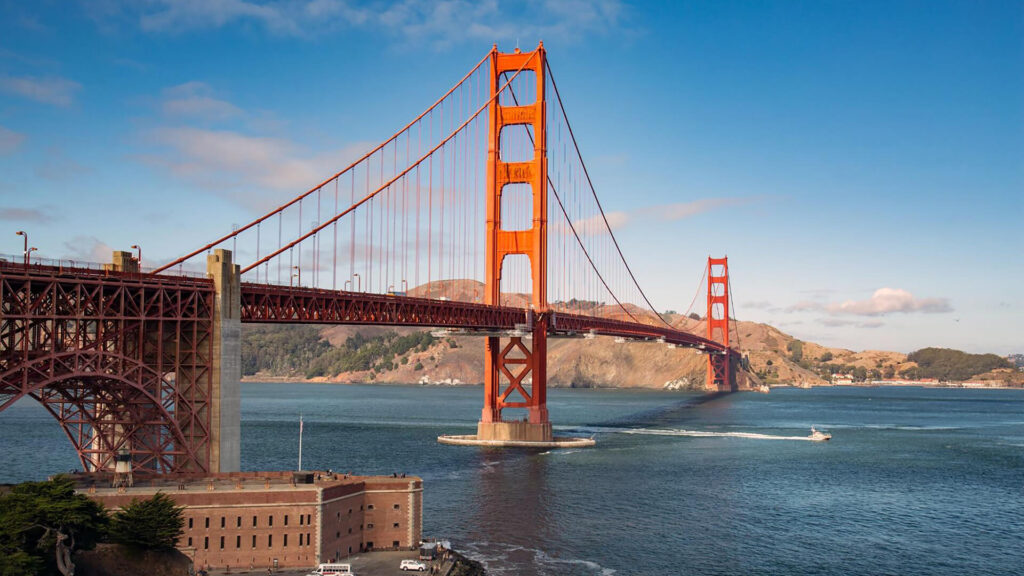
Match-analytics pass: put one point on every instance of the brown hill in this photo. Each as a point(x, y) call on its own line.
point(773, 356)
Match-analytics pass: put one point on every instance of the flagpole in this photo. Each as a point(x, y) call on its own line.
point(300, 442)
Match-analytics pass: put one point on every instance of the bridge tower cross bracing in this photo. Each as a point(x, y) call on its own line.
point(508, 366)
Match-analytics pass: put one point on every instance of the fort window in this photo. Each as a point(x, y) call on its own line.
point(302, 520)
point(238, 541)
point(206, 543)
point(270, 540)
point(189, 541)
point(370, 507)
point(190, 523)
point(309, 518)
point(270, 520)
point(285, 519)
point(397, 507)
point(207, 521)
point(253, 541)
point(350, 530)
point(221, 542)
point(369, 526)
point(395, 525)
point(239, 521)
point(394, 543)
point(285, 540)
point(223, 520)
point(300, 538)
point(254, 521)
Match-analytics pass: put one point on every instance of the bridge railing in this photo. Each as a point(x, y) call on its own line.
point(68, 266)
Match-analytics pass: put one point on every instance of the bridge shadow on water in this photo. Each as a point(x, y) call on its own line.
point(662, 416)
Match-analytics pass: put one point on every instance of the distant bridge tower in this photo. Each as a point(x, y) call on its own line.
point(508, 367)
point(719, 365)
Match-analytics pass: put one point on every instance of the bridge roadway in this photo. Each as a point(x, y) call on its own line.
point(267, 303)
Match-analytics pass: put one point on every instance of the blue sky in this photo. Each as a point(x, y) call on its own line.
point(861, 163)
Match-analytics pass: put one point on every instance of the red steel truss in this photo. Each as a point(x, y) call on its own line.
point(267, 304)
point(121, 360)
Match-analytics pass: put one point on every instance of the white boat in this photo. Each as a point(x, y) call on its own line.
point(819, 436)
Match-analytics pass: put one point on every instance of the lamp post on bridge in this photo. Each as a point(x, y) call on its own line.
point(139, 256)
point(346, 285)
point(299, 276)
point(24, 236)
point(359, 281)
point(28, 255)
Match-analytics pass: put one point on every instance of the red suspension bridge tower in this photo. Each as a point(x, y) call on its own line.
point(508, 366)
point(719, 363)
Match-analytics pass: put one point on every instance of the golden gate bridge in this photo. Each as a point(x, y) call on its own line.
point(479, 215)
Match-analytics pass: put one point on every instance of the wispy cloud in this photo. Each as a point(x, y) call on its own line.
point(196, 100)
point(87, 249)
point(24, 215)
point(595, 224)
point(231, 162)
point(839, 322)
point(439, 23)
point(884, 301)
point(48, 90)
point(9, 140)
point(683, 210)
point(58, 167)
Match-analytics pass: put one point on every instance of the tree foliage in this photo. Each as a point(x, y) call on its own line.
point(796, 348)
point(281, 350)
point(954, 365)
point(359, 353)
point(152, 524)
point(42, 523)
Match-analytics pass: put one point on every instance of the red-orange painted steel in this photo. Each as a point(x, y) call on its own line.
point(121, 360)
point(532, 242)
point(719, 364)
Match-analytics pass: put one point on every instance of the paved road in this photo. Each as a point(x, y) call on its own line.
point(366, 564)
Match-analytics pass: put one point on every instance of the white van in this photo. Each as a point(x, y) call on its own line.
point(333, 570)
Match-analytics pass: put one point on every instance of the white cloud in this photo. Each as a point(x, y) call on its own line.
point(682, 210)
point(595, 225)
point(49, 90)
point(888, 301)
point(196, 100)
point(884, 301)
point(9, 140)
point(231, 162)
point(87, 249)
point(437, 23)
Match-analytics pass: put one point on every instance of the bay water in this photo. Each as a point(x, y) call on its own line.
point(916, 481)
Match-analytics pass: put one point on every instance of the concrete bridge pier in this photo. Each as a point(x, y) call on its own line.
point(225, 402)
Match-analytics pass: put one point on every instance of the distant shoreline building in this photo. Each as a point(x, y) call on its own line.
point(280, 519)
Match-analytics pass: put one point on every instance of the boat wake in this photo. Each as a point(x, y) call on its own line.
point(705, 434)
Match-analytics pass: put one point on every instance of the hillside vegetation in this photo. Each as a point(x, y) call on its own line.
point(953, 365)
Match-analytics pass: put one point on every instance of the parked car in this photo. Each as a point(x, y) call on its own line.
point(413, 565)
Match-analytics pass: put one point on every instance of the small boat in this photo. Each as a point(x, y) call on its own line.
point(764, 389)
point(819, 436)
